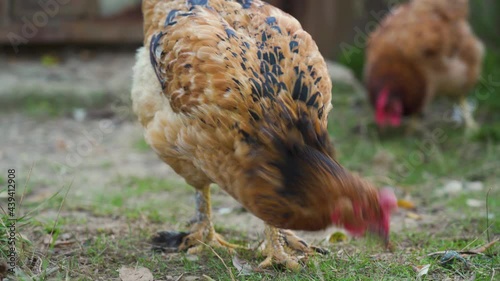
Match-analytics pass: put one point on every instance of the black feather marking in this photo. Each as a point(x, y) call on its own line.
point(271, 20)
point(264, 36)
point(268, 90)
point(282, 86)
point(272, 59)
point(317, 80)
point(279, 53)
point(277, 70)
point(312, 100)
point(277, 28)
point(254, 114)
point(230, 33)
point(304, 93)
point(243, 66)
point(154, 45)
point(245, 3)
point(281, 56)
point(257, 88)
point(294, 46)
point(198, 2)
point(259, 54)
point(300, 91)
point(271, 78)
point(246, 45)
point(255, 74)
point(266, 57)
point(237, 82)
point(264, 67)
point(221, 38)
point(297, 88)
point(246, 137)
point(170, 17)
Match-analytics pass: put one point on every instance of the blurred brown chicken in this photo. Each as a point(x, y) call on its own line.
point(236, 93)
point(422, 49)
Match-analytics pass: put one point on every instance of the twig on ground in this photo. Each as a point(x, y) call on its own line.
point(220, 258)
point(26, 185)
point(488, 215)
point(477, 251)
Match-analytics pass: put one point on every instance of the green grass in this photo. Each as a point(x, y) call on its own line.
point(113, 227)
point(39, 104)
point(141, 145)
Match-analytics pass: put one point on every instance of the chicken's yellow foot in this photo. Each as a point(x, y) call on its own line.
point(285, 248)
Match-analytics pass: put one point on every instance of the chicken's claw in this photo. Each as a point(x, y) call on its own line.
point(196, 241)
point(285, 248)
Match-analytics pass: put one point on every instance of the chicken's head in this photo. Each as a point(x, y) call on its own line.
point(372, 215)
point(388, 109)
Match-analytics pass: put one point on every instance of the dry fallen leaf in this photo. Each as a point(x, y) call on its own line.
point(483, 248)
point(208, 278)
point(135, 274)
point(414, 216)
point(422, 270)
point(244, 268)
point(406, 204)
point(62, 240)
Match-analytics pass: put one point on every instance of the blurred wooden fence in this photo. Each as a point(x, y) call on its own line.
point(70, 21)
point(82, 21)
point(330, 22)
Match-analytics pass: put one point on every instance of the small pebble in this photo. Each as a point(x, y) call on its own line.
point(474, 203)
point(474, 186)
point(451, 187)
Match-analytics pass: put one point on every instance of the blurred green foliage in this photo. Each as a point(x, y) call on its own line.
point(485, 21)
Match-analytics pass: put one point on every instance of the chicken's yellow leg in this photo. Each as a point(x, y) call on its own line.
point(470, 125)
point(202, 230)
point(414, 125)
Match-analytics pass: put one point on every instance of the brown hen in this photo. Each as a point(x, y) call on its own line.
point(236, 93)
point(422, 49)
